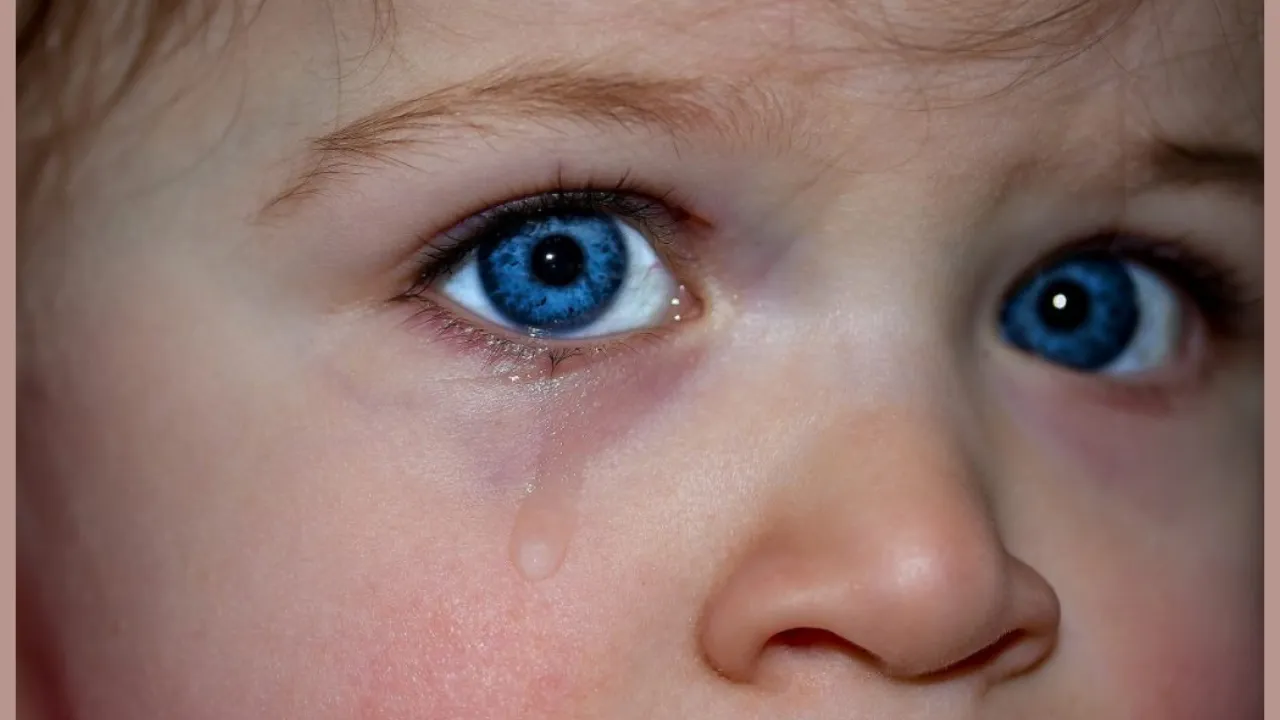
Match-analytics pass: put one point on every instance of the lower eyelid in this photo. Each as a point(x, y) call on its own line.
point(669, 235)
point(521, 357)
point(1156, 394)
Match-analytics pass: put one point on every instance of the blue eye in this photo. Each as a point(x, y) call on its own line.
point(564, 274)
point(1095, 314)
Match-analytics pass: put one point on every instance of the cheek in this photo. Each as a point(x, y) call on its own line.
point(1189, 658)
point(532, 447)
point(330, 575)
point(1170, 556)
point(1189, 465)
point(347, 549)
point(475, 646)
point(379, 591)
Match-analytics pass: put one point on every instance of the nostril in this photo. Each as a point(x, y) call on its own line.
point(1015, 653)
point(807, 638)
point(820, 642)
point(983, 658)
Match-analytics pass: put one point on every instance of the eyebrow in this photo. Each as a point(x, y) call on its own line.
point(633, 102)
point(1196, 163)
point(674, 106)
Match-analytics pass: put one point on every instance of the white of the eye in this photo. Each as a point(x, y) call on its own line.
point(644, 297)
point(641, 301)
point(463, 287)
point(1159, 328)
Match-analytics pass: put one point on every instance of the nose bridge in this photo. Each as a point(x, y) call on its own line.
point(896, 490)
point(884, 539)
point(893, 450)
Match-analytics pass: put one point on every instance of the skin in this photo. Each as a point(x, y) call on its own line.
point(251, 487)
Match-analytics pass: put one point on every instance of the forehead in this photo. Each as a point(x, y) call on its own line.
point(1044, 73)
point(809, 34)
point(1184, 59)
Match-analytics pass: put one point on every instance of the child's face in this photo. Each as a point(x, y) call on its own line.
point(904, 449)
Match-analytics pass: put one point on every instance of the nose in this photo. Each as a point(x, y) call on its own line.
point(883, 545)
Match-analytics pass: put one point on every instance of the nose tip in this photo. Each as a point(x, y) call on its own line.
point(995, 616)
point(906, 571)
point(954, 603)
point(912, 612)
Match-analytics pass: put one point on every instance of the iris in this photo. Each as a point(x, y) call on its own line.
point(1081, 313)
point(554, 273)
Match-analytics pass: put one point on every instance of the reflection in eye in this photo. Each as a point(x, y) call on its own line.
point(563, 273)
point(1096, 314)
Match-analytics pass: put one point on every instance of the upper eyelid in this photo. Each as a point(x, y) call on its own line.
point(438, 259)
point(650, 211)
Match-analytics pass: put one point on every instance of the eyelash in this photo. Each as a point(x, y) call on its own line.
point(655, 214)
point(1218, 293)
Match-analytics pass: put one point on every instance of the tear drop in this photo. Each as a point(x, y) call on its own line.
point(544, 526)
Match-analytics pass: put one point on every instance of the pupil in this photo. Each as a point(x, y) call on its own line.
point(1064, 306)
point(557, 261)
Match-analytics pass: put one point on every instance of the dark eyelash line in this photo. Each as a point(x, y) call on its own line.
point(1230, 309)
point(509, 357)
point(658, 219)
point(1219, 293)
